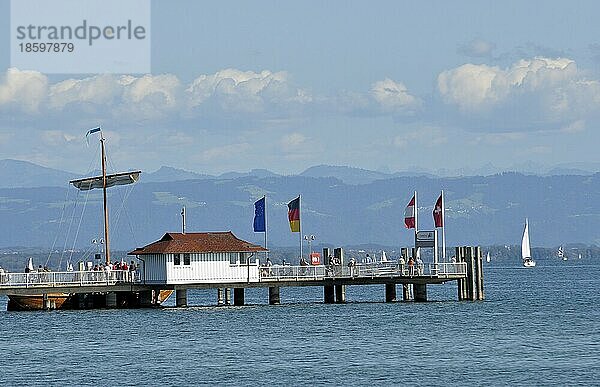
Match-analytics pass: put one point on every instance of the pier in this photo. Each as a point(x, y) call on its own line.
point(116, 288)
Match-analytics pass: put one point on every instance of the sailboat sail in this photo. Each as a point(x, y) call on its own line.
point(383, 256)
point(122, 178)
point(525, 248)
point(487, 258)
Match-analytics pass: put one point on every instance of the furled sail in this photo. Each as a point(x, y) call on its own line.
point(525, 249)
point(122, 178)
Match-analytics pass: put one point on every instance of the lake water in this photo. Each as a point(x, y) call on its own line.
point(537, 327)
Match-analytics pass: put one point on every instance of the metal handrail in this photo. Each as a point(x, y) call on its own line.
point(265, 273)
point(359, 270)
point(68, 278)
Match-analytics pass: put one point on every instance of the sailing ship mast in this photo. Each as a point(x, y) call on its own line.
point(105, 181)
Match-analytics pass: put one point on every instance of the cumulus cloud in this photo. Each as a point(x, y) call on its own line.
point(227, 98)
point(541, 89)
point(25, 90)
point(235, 90)
point(477, 48)
point(151, 96)
point(264, 94)
point(393, 97)
point(98, 90)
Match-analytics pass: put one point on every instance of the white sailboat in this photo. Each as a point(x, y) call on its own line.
point(487, 258)
point(525, 247)
point(561, 253)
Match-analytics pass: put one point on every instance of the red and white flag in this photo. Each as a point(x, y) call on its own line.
point(409, 214)
point(438, 212)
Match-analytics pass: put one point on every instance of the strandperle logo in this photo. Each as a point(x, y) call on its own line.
point(81, 37)
point(85, 31)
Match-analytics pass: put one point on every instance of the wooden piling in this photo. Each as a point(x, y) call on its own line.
point(220, 296)
point(482, 292)
point(146, 298)
point(338, 253)
point(471, 280)
point(181, 298)
point(328, 294)
point(326, 254)
point(390, 292)
point(238, 296)
point(340, 294)
point(274, 297)
point(459, 283)
point(111, 300)
point(479, 273)
point(80, 301)
point(420, 292)
point(406, 292)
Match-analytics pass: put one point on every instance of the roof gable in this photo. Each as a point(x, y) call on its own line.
point(198, 242)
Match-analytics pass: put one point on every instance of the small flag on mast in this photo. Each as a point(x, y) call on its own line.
point(294, 214)
point(91, 131)
point(259, 216)
point(409, 214)
point(438, 212)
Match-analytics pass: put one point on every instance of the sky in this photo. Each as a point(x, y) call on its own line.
point(386, 85)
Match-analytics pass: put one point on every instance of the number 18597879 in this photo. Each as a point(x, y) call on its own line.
point(47, 47)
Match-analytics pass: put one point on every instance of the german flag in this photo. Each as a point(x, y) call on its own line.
point(294, 214)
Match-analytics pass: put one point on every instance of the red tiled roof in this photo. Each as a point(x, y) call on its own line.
point(198, 242)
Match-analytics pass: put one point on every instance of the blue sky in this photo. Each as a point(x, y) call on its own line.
point(381, 85)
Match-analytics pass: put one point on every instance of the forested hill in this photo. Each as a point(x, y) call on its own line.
point(479, 210)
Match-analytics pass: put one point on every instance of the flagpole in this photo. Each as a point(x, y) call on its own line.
point(416, 221)
point(266, 227)
point(300, 221)
point(443, 228)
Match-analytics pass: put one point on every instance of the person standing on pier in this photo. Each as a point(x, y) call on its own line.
point(351, 265)
point(419, 266)
point(411, 266)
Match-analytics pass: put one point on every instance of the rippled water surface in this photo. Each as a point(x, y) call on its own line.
point(537, 326)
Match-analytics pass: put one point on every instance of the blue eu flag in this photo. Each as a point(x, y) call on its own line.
point(259, 216)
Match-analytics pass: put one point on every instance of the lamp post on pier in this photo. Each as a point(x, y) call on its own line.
point(309, 239)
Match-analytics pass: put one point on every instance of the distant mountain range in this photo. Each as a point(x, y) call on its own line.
point(16, 173)
point(340, 205)
point(19, 174)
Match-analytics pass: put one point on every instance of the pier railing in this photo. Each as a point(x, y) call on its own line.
point(362, 270)
point(266, 273)
point(68, 278)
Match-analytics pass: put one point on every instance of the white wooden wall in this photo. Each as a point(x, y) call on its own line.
point(203, 268)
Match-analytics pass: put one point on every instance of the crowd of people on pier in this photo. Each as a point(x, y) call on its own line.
point(120, 271)
point(334, 267)
point(415, 266)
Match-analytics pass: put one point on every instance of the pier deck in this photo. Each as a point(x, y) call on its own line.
point(273, 276)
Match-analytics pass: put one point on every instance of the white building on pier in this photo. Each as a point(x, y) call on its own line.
point(204, 257)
